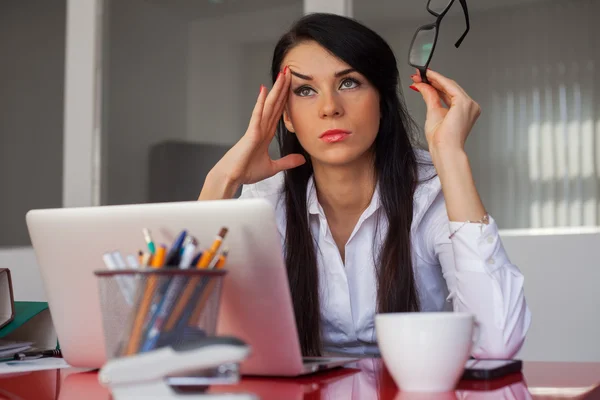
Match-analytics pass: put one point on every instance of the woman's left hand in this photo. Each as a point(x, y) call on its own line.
point(446, 128)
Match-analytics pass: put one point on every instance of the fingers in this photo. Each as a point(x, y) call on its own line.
point(281, 100)
point(456, 93)
point(447, 100)
point(448, 86)
point(450, 91)
point(430, 95)
point(288, 162)
point(257, 113)
point(273, 97)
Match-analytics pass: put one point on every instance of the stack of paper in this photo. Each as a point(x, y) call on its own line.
point(8, 348)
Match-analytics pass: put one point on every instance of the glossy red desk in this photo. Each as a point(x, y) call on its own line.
point(368, 380)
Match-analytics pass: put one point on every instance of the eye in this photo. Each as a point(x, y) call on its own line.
point(349, 83)
point(304, 91)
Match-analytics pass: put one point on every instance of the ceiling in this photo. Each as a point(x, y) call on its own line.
point(368, 10)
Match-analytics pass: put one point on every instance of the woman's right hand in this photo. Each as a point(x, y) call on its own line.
point(248, 161)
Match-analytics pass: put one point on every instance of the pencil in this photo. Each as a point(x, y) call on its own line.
point(188, 292)
point(146, 259)
point(207, 291)
point(138, 324)
point(210, 253)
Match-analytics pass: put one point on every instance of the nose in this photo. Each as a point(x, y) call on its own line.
point(330, 105)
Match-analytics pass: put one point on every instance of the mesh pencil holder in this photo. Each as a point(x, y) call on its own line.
point(146, 309)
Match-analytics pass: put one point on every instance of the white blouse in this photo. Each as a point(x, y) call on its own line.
point(469, 273)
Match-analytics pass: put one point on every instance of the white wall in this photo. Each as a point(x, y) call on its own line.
point(561, 274)
point(223, 79)
point(533, 168)
point(32, 38)
point(519, 149)
point(147, 62)
point(534, 71)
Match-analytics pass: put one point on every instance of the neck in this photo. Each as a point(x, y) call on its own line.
point(345, 190)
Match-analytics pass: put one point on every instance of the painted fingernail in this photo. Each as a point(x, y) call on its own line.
point(285, 70)
point(413, 87)
point(260, 90)
point(278, 76)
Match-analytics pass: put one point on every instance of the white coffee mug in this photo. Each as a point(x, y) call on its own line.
point(427, 351)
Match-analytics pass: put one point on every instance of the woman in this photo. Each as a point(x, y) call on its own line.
point(368, 224)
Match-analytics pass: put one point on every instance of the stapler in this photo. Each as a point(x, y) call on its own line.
point(196, 363)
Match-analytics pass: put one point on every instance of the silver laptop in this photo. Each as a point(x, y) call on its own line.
point(256, 305)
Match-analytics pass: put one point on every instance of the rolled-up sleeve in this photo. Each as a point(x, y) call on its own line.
point(481, 280)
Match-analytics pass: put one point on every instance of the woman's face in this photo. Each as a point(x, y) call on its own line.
point(333, 110)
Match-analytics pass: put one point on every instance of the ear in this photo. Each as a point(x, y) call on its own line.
point(287, 121)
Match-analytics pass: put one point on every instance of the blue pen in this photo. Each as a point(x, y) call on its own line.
point(171, 261)
point(174, 256)
point(168, 300)
point(197, 258)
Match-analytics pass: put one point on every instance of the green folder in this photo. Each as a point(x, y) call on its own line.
point(24, 311)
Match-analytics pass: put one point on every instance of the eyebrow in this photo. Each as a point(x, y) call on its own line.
point(310, 78)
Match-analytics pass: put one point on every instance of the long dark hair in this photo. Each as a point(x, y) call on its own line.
point(395, 165)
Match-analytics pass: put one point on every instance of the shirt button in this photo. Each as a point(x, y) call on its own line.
point(491, 261)
point(490, 239)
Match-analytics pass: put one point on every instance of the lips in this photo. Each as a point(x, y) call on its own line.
point(334, 135)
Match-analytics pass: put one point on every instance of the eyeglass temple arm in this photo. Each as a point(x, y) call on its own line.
point(463, 3)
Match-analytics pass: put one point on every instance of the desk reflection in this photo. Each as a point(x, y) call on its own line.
point(82, 385)
point(363, 380)
point(368, 379)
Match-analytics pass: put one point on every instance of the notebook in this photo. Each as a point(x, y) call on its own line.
point(7, 301)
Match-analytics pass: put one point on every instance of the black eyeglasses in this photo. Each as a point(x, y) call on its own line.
point(425, 39)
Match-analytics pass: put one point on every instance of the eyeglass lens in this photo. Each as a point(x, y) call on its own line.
point(422, 46)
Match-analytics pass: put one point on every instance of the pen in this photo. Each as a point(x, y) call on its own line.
point(188, 252)
point(174, 256)
point(138, 324)
point(119, 261)
point(221, 259)
point(196, 258)
point(132, 261)
point(149, 241)
point(169, 298)
point(207, 290)
point(124, 285)
point(33, 355)
point(189, 290)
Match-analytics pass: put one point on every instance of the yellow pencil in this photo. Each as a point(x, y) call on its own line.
point(138, 324)
point(207, 256)
point(188, 292)
point(207, 291)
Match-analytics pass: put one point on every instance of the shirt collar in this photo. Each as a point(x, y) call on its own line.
point(314, 207)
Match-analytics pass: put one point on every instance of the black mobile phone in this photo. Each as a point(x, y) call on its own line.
point(491, 369)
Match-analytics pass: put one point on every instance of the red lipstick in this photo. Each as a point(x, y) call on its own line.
point(334, 135)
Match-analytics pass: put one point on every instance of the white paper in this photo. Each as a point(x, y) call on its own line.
point(9, 345)
point(13, 351)
point(11, 367)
